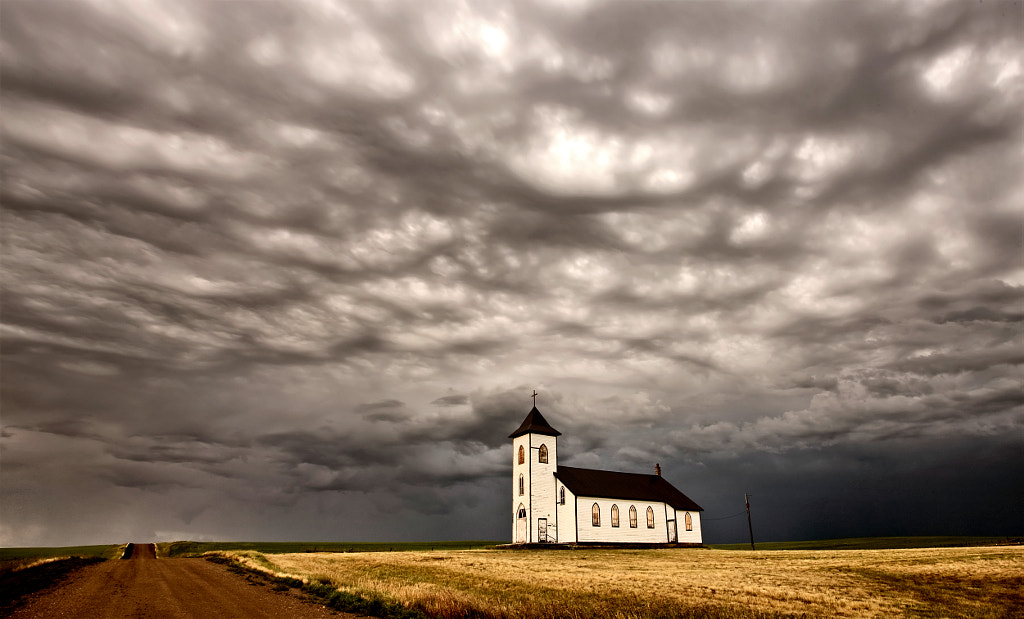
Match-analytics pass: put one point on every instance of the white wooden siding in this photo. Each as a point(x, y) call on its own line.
point(566, 516)
point(542, 490)
point(517, 470)
point(688, 537)
point(622, 534)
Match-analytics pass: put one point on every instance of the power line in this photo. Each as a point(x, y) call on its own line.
point(723, 517)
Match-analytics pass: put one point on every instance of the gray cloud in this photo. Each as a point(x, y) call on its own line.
point(451, 400)
point(308, 260)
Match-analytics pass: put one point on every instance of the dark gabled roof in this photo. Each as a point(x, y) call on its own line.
point(615, 485)
point(536, 424)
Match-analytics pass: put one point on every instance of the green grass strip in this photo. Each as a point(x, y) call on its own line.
point(876, 543)
point(105, 551)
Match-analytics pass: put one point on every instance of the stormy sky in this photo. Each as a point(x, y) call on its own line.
point(291, 270)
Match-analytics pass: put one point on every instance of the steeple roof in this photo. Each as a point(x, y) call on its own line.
point(536, 424)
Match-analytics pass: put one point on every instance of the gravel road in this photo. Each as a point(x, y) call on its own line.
point(145, 586)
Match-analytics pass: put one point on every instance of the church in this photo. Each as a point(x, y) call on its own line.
point(566, 505)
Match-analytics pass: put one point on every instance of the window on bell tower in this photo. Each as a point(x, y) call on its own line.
point(542, 454)
point(522, 455)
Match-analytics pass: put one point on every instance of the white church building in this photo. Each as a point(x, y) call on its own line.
point(567, 505)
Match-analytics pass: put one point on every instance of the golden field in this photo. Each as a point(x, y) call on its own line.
point(924, 582)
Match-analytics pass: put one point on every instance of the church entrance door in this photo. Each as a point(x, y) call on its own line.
point(521, 525)
point(542, 530)
point(672, 536)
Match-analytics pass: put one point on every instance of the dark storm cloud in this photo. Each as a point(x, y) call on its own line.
point(958, 363)
point(380, 406)
point(451, 400)
point(310, 258)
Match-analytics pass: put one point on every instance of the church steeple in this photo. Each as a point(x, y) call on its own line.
point(536, 424)
point(534, 464)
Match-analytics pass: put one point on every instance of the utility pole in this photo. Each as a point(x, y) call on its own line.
point(750, 527)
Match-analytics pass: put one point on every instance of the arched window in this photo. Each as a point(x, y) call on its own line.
point(595, 515)
point(689, 522)
point(522, 455)
point(632, 516)
point(522, 486)
point(542, 454)
point(615, 515)
point(650, 517)
point(521, 525)
point(561, 495)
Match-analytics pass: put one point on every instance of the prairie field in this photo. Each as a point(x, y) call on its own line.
point(698, 582)
point(14, 559)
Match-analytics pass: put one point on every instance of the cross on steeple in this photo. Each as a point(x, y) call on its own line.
point(534, 398)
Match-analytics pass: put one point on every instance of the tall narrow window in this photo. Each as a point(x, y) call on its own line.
point(521, 525)
point(542, 454)
point(615, 515)
point(561, 495)
point(689, 522)
point(522, 486)
point(522, 455)
point(632, 516)
point(595, 515)
point(650, 517)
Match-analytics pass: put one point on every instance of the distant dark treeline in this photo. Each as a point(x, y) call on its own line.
point(181, 549)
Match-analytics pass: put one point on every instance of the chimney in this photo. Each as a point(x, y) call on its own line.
point(657, 470)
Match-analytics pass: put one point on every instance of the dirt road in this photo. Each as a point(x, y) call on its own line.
point(145, 586)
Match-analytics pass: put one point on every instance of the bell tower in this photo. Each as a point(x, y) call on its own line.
point(534, 463)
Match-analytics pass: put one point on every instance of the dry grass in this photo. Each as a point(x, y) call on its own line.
point(930, 582)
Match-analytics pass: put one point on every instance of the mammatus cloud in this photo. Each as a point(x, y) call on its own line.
point(307, 261)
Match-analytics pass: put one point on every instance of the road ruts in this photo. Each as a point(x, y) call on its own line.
point(144, 586)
